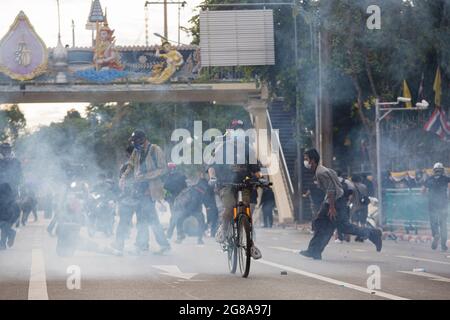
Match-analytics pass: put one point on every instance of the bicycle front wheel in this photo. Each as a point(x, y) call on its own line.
point(244, 240)
point(232, 252)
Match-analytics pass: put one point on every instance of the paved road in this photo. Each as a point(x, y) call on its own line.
point(32, 270)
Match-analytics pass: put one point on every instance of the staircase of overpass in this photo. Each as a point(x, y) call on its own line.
point(283, 118)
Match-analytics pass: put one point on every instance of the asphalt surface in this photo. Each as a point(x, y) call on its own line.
point(33, 270)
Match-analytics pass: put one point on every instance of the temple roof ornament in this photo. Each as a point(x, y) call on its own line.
point(95, 15)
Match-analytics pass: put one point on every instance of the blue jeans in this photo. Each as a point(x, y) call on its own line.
point(147, 216)
point(324, 227)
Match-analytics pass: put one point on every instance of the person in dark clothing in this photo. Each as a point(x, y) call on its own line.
point(174, 184)
point(332, 213)
point(28, 204)
point(268, 204)
point(189, 204)
point(360, 204)
point(47, 204)
point(9, 214)
point(417, 181)
point(348, 188)
point(369, 184)
point(10, 169)
point(437, 187)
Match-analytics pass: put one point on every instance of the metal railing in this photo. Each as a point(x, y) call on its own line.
point(285, 167)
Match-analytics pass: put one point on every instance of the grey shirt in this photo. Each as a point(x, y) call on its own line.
point(328, 181)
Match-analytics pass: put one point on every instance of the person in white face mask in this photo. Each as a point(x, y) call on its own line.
point(437, 186)
point(332, 213)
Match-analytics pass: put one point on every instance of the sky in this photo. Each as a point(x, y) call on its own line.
point(126, 17)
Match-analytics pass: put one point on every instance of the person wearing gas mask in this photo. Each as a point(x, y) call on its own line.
point(148, 166)
point(437, 187)
point(332, 213)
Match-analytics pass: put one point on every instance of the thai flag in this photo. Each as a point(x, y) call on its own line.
point(439, 124)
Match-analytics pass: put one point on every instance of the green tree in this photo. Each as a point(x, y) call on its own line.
point(12, 121)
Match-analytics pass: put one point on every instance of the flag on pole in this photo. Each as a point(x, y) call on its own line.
point(421, 93)
point(407, 94)
point(437, 87)
point(439, 124)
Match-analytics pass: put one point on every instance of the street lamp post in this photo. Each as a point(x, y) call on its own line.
point(385, 107)
point(165, 3)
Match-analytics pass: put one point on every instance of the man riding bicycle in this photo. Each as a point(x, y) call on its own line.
point(228, 173)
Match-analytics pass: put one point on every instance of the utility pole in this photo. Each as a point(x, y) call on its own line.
point(73, 34)
point(166, 23)
point(166, 29)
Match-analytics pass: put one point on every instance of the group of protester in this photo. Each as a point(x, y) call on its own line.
point(17, 200)
point(337, 200)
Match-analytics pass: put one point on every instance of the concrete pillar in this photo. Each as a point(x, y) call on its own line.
point(257, 109)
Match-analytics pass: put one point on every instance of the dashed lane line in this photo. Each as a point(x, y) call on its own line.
point(37, 289)
point(332, 281)
point(423, 259)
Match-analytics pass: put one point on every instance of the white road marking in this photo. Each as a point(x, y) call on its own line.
point(37, 289)
point(359, 250)
point(332, 281)
point(174, 271)
point(422, 259)
point(430, 276)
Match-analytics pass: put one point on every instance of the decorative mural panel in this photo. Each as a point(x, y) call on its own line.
point(23, 55)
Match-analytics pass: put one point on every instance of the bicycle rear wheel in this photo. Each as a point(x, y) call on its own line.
point(232, 251)
point(244, 241)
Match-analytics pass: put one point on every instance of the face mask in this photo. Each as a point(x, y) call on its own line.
point(307, 164)
point(138, 146)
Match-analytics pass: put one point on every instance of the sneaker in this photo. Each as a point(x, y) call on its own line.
point(376, 237)
point(444, 248)
point(11, 238)
point(338, 241)
point(308, 254)
point(2, 246)
point(435, 243)
point(255, 253)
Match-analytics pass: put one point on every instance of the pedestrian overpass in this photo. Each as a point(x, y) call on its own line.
point(30, 72)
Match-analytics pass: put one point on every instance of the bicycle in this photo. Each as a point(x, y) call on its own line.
point(239, 240)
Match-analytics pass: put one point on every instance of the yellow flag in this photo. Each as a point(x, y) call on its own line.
point(406, 94)
point(437, 87)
